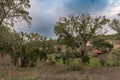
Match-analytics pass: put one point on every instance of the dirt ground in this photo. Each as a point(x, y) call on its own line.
point(57, 72)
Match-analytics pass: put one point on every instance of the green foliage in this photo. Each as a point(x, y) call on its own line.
point(87, 58)
point(116, 57)
point(94, 61)
point(112, 36)
point(115, 25)
point(83, 27)
point(33, 57)
point(5, 34)
point(12, 11)
point(100, 43)
point(102, 59)
point(27, 48)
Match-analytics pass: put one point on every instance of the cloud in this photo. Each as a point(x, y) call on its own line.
point(112, 9)
point(45, 13)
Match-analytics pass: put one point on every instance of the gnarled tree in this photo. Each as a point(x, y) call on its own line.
point(83, 26)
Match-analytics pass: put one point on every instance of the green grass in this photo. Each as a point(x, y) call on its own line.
point(74, 71)
point(73, 62)
point(94, 62)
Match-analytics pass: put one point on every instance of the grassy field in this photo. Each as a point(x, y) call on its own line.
point(58, 72)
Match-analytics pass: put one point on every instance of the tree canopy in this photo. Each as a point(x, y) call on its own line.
point(12, 11)
point(83, 26)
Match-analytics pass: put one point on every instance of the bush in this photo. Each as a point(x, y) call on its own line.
point(33, 56)
point(50, 62)
point(86, 58)
point(102, 62)
point(102, 59)
point(116, 58)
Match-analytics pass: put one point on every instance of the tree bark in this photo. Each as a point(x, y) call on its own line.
point(24, 62)
point(83, 52)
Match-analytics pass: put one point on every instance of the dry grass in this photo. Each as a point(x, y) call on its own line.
point(57, 72)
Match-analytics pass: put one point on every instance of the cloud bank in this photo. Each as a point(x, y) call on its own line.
point(45, 13)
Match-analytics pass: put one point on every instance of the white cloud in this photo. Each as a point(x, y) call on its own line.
point(113, 8)
point(111, 11)
point(46, 12)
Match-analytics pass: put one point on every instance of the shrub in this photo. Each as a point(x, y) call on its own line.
point(116, 58)
point(87, 58)
point(102, 59)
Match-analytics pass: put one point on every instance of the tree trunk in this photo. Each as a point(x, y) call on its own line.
point(1, 55)
point(83, 52)
point(24, 62)
point(82, 57)
point(15, 60)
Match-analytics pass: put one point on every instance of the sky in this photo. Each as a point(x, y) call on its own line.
point(45, 13)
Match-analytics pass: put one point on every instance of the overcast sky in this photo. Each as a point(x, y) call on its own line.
point(45, 13)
